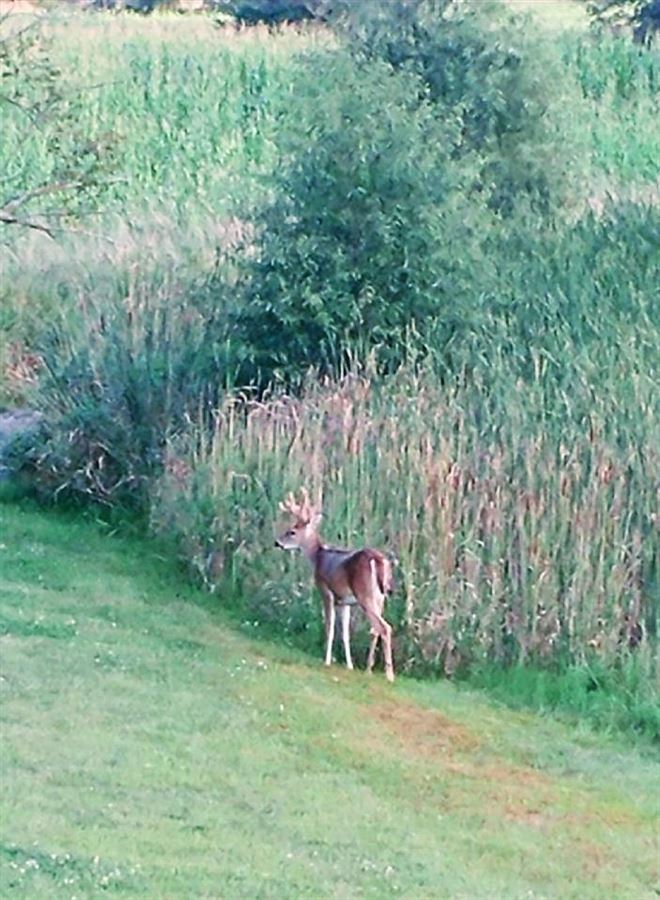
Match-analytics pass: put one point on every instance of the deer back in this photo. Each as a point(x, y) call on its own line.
point(357, 573)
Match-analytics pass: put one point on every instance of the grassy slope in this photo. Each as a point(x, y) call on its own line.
point(150, 750)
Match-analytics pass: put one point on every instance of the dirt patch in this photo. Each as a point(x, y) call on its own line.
point(524, 796)
point(500, 774)
point(420, 731)
point(514, 793)
point(531, 817)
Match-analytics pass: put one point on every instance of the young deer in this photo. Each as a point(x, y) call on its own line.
point(344, 578)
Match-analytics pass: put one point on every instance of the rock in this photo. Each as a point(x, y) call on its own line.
point(14, 422)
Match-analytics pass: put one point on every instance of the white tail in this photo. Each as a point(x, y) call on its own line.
point(344, 577)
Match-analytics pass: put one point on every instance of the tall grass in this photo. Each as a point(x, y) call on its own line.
point(189, 118)
point(527, 542)
point(194, 109)
point(620, 83)
point(515, 544)
point(186, 117)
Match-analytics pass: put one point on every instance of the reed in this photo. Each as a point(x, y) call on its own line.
point(515, 545)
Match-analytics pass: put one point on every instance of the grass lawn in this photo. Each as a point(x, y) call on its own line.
point(149, 750)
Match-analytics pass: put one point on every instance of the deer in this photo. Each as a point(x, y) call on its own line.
point(345, 578)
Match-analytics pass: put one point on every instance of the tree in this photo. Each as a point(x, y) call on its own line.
point(274, 12)
point(41, 195)
point(429, 134)
point(369, 234)
point(479, 68)
point(642, 16)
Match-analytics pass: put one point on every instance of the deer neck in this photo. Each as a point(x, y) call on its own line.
point(312, 548)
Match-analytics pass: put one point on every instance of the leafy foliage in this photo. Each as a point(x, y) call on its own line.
point(415, 152)
point(275, 12)
point(367, 234)
point(33, 112)
point(643, 16)
point(481, 70)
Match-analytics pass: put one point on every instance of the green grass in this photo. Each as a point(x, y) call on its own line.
point(150, 750)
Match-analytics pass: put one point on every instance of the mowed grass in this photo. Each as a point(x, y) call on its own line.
point(150, 750)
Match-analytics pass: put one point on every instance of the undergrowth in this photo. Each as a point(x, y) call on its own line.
point(623, 698)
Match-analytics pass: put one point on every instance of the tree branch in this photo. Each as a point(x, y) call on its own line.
point(6, 219)
point(9, 206)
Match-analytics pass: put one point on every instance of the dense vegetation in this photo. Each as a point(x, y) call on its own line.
point(413, 263)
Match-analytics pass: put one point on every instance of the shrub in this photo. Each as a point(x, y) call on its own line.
point(481, 69)
point(367, 234)
point(120, 376)
point(642, 16)
point(274, 12)
point(394, 193)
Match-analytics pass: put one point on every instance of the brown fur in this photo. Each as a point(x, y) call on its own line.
point(365, 575)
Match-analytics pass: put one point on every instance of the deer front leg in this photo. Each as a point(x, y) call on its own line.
point(329, 619)
point(346, 633)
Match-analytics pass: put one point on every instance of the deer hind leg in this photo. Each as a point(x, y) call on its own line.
point(371, 658)
point(381, 629)
point(346, 633)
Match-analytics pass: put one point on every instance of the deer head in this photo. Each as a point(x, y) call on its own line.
point(304, 520)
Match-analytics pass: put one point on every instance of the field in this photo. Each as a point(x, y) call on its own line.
point(151, 750)
point(417, 273)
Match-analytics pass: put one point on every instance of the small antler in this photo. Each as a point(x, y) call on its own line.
point(289, 504)
point(302, 510)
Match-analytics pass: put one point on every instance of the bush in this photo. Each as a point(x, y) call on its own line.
point(394, 193)
point(119, 377)
point(480, 69)
point(274, 12)
point(368, 233)
point(642, 16)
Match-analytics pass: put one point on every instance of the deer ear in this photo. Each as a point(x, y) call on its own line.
point(316, 517)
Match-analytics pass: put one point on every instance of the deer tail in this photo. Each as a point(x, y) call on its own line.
point(381, 569)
